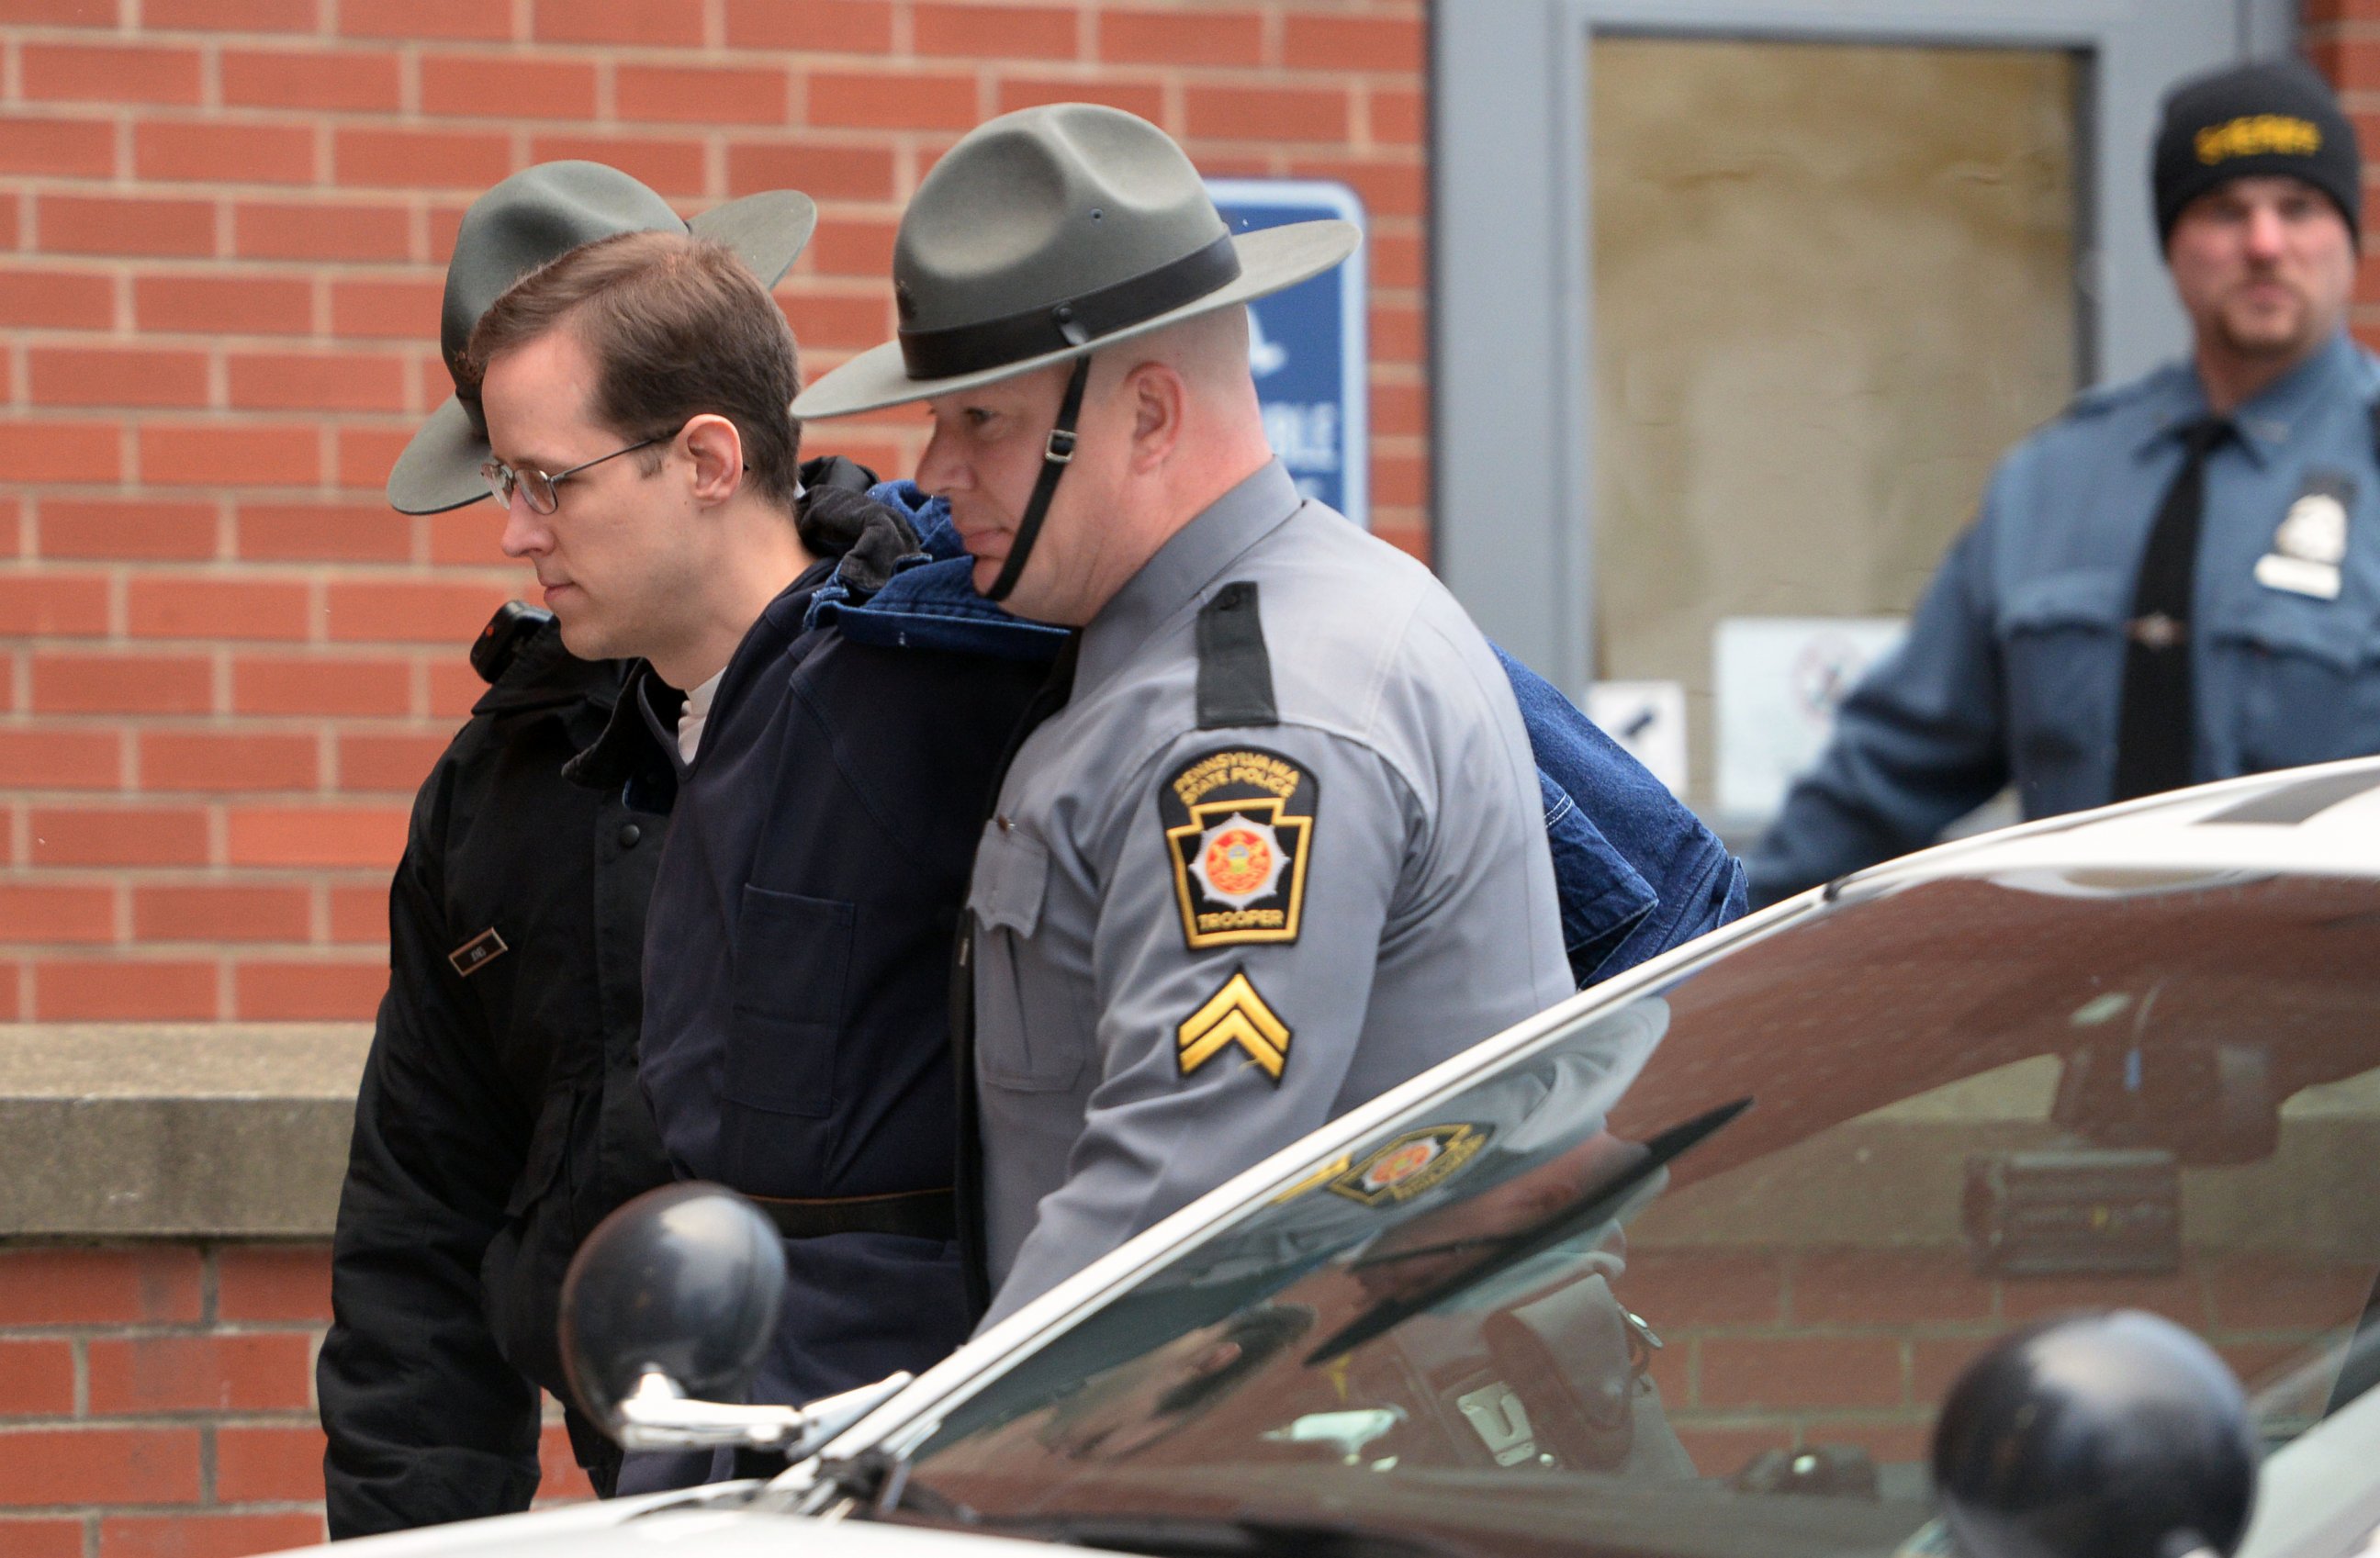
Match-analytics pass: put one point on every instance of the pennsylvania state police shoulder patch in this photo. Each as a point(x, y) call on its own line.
point(1237, 823)
point(1413, 1163)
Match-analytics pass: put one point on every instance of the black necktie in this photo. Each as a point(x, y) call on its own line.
point(1047, 700)
point(2158, 725)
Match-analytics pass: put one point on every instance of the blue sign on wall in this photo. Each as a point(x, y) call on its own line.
point(1306, 346)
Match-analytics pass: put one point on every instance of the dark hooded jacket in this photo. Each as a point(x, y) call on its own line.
point(498, 1118)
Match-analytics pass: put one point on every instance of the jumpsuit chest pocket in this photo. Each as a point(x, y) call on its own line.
point(1022, 1027)
point(2303, 679)
point(2062, 641)
point(793, 962)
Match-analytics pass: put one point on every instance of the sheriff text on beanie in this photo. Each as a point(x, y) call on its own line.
point(2273, 116)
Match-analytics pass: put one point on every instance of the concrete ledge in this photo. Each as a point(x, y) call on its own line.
point(179, 1131)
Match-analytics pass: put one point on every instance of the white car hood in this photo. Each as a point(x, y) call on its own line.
point(710, 1525)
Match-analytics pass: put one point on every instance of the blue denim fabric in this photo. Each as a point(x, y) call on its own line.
point(1635, 872)
point(930, 603)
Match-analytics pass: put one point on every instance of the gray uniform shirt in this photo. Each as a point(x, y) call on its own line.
point(1192, 947)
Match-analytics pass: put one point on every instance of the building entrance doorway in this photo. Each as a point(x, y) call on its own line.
point(1832, 282)
point(1735, 303)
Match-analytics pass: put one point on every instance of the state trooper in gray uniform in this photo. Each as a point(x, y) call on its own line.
point(1278, 846)
point(2178, 580)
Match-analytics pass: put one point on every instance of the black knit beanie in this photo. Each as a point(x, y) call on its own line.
point(2273, 116)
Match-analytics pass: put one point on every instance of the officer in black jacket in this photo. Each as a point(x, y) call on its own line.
point(499, 1117)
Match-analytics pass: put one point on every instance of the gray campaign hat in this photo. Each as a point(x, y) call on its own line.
point(1050, 232)
point(537, 216)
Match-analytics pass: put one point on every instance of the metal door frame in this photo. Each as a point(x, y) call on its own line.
point(1510, 295)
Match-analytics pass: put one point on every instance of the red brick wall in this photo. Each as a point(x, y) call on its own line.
point(2342, 39)
point(1793, 1348)
point(157, 1401)
point(223, 663)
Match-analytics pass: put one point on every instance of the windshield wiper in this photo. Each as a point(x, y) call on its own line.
point(1190, 1536)
point(1505, 1251)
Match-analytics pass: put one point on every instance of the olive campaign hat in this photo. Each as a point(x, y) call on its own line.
point(537, 216)
point(1050, 232)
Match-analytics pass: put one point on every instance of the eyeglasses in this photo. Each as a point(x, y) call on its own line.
point(538, 486)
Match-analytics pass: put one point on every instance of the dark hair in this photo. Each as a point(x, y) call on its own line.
point(677, 326)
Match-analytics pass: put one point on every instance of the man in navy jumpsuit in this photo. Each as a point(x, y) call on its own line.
point(2178, 580)
point(823, 791)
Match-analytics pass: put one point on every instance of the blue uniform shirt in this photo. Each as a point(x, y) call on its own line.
point(2012, 671)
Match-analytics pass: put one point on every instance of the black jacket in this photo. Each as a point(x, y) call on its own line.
point(499, 1117)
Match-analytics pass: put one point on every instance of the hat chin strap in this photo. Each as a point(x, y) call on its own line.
point(1055, 456)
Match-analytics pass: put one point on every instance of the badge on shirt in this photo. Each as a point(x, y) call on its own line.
point(1233, 1019)
point(2311, 540)
point(478, 952)
point(1237, 821)
point(1411, 1164)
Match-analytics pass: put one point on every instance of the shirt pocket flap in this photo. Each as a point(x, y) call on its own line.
point(2335, 632)
point(1012, 868)
point(788, 997)
point(2090, 598)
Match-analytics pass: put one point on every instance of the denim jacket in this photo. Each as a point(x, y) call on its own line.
point(1635, 872)
point(929, 601)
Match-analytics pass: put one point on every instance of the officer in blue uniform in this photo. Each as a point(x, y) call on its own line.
point(2178, 580)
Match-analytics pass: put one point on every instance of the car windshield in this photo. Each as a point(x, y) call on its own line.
point(1692, 1276)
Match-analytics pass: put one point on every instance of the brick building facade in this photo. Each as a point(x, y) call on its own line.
point(227, 664)
point(223, 227)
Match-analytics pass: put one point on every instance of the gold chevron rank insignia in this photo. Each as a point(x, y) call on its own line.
point(1234, 1016)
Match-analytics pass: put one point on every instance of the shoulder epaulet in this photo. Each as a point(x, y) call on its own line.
point(2095, 401)
point(1235, 669)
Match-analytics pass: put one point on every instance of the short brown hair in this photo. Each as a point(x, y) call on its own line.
point(677, 326)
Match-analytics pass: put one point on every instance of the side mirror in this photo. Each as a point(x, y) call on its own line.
point(2118, 1435)
point(667, 1312)
point(683, 1282)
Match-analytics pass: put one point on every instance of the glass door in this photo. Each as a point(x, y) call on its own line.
point(1831, 284)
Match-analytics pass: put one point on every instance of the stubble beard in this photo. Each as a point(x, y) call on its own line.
point(2261, 335)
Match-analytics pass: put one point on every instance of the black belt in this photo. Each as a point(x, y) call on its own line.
point(918, 1214)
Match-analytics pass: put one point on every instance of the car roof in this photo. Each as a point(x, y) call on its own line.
point(2322, 821)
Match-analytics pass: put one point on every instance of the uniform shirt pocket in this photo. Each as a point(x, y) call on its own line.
point(2308, 682)
point(793, 960)
point(1012, 872)
point(1022, 1023)
point(2062, 637)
